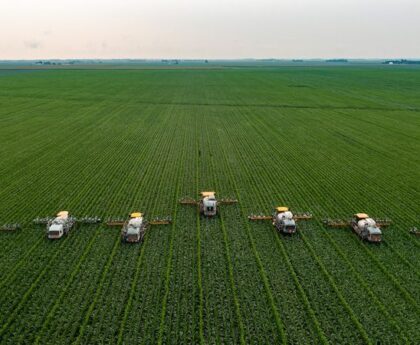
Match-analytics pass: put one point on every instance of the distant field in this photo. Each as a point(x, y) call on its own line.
point(329, 140)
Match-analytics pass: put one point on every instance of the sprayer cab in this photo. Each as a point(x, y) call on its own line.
point(284, 221)
point(60, 225)
point(366, 227)
point(208, 204)
point(134, 229)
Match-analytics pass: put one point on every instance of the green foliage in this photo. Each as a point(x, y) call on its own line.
point(328, 140)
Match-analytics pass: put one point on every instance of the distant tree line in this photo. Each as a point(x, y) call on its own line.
point(402, 62)
point(337, 60)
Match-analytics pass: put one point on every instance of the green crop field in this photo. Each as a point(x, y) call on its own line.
point(327, 140)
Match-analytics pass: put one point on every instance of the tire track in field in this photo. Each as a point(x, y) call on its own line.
point(81, 330)
point(170, 255)
point(198, 231)
point(10, 254)
point(39, 273)
point(219, 309)
point(158, 180)
point(166, 175)
point(327, 276)
point(275, 149)
point(181, 325)
point(403, 291)
point(129, 301)
point(46, 192)
point(263, 274)
point(68, 282)
point(305, 300)
point(13, 272)
point(88, 314)
point(331, 282)
point(387, 200)
point(227, 250)
point(160, 148)
point(97, 157)
point(74, 305)
point(105, 267)
point(28, 292)
point(365, 249)
point(56, 273)
point(103, 187)
point(363, 283)
point(98, 290)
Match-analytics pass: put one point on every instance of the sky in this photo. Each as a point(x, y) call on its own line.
point(209, 29)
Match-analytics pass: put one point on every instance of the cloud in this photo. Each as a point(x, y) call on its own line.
point(33, 44)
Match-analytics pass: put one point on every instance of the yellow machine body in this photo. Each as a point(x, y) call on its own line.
point(361, 215)
point(63, 214)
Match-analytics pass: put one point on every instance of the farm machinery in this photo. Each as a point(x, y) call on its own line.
point(134, 228)
point(62, 223)
point(365, 227)
point(10, 227)
point(207, 203)
point(414, 231)
point(283, 219)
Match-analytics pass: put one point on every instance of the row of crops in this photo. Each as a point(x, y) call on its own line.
point(110, 142)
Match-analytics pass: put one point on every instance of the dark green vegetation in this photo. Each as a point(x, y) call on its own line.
point(331, 141)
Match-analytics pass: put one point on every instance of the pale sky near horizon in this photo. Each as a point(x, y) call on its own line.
point(32, 29)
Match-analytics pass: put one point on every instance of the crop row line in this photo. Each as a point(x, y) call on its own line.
point(159, 181)
point(198, 232)
point(371, 294)
point(301, 291)
point(227, 251)
point(97, 291)
point(28, 292)
point(70, 145)
point(274, 148)
point(80, 193)
point(321, 266)
point(70, 279)
point(263, 274)
point(165, 170)
point(100, 288)
point(171, 245)
point(45, 193)
point(390, 276)
point(9, 243)
point(13, 272)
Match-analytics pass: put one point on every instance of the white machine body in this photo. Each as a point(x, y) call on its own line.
point(134, 229)
point(285, 223)
point(209, 206)
point(367, 229)
point(60, 225)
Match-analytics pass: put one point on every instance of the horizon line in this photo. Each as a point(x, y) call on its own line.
point(214, 59)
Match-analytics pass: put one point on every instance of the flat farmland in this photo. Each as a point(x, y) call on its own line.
point(327, 140)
